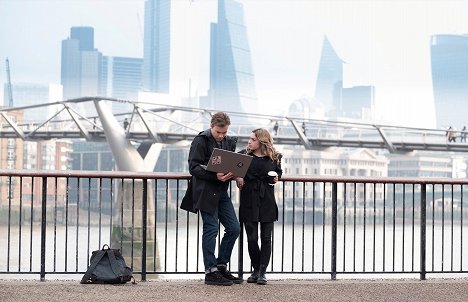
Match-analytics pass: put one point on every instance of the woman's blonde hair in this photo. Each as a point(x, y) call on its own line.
point(266, 143)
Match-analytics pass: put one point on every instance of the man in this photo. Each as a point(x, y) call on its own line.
point(207, 193)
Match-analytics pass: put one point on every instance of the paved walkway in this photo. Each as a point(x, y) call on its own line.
point(276, 290)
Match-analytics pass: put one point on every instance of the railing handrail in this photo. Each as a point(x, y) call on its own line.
point(185, 175)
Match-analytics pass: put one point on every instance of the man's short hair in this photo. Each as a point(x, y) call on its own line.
point(220, 119)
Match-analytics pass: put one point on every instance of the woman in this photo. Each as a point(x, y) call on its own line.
point(257, 200)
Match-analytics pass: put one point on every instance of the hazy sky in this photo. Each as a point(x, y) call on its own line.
point(385, 43)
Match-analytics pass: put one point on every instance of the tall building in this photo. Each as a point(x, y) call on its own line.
point(85, 35)
point(86, 72)
point(355, 102)
point(156, 51)
point(330, 77)
point(121, 79)
point(81, 64)
point(232, 85)
point(449, 59)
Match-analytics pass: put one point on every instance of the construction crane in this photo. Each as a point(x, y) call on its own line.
point(10, 93)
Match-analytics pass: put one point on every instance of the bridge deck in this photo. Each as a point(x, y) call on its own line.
point(314, 142)
point(78, 119)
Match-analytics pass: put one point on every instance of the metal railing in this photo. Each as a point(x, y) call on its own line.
point(51, 221)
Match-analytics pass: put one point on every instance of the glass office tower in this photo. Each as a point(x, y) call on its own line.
point(449, 59)
point(122, 78)
point(232, 86)
point(330, 77)
point(85, 35)
point(80, 66)
point(156, 51)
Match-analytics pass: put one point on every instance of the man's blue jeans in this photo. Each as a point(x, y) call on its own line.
point(227, 216)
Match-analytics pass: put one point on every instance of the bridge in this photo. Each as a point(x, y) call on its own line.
point(167, 124)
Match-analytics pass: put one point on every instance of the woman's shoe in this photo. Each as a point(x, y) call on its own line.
point(261, 280)
point(253, 278)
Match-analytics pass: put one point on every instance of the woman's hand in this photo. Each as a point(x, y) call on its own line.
point(239, 182)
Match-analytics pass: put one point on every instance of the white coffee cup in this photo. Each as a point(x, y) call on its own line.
point(271, 177)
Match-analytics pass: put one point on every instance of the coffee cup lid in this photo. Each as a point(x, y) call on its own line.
point(272, 173)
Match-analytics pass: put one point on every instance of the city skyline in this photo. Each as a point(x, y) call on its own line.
point(383, 43)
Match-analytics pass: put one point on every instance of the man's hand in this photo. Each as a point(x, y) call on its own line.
point(224, 177)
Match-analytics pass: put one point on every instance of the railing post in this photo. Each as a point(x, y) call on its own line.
point(240, 260)
point(422, 255)
point(43, 226)
point(334, 228)
point(144, 209)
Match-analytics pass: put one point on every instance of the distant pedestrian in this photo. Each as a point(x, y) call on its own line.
point(125, 123)
point(463, 135)
point(275, 128)
point(304, 128)
point(451, 135)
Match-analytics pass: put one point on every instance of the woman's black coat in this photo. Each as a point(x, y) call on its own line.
point(257, 197)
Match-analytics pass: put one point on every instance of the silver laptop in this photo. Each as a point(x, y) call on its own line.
point(224, 161)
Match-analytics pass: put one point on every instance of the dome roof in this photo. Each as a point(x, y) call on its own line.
point(306, 107)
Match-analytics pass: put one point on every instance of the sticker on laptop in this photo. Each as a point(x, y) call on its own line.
point(216, 160)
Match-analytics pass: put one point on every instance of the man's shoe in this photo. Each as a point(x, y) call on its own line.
point(227, 274)
point(216, 278)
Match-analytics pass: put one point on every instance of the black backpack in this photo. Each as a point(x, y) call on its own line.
point(107, 266)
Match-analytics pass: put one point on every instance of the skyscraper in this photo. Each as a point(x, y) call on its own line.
point(71, 68)
point(85, 36)
point(330, 76)
point(156, 51)
point(449, 59)
point(81, 64)
point(122, 79)
point(355, 102)
point(232, 84)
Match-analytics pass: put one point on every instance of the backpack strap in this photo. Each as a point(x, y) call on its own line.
point(114, 264)
point(115, 267)
point(92, 266)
